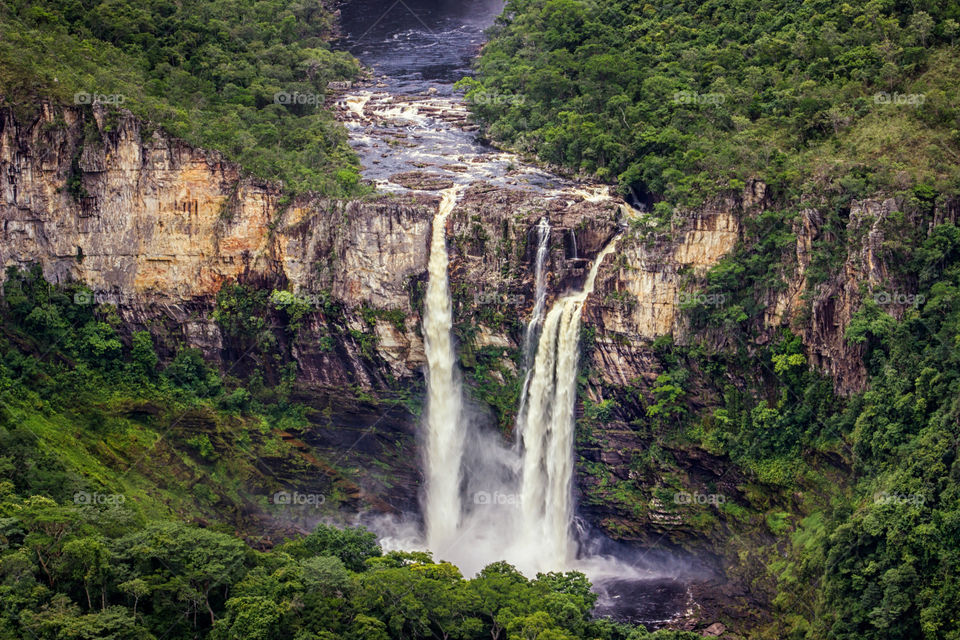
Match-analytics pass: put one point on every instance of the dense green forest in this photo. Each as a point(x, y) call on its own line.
point(245, 77)
point(682, 100)
point(94, 509)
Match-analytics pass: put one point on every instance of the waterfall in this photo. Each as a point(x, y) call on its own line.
point(535, 535)
point(444, 438)
point(536, 318)
point(540, 289)
point(547, 428)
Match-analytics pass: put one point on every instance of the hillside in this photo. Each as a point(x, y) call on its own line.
point(245, 77)
point(678, 101)
point(215, 334)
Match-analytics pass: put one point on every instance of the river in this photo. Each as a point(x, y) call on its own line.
point(411, 131)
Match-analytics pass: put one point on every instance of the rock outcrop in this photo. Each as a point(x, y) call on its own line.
point(157, 228)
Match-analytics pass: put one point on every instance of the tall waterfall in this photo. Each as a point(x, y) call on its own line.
point(444, 437)
point(536, 318)
point(536, 475)
point(547, 428)
point(540, 289)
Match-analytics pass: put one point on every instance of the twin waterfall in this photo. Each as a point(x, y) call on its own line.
point(529, 524)
point(545, 425)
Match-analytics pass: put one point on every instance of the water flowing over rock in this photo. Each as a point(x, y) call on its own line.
point(444, 435)
point(546, 428)
point(539, 289)
point(535, 323)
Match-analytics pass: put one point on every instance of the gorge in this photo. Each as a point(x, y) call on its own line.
point(537, 319)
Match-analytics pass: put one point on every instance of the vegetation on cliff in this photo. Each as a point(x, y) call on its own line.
point(125, 484)
point(245, 77)
point(842, 511)
point(876, 555)
point(679, 100)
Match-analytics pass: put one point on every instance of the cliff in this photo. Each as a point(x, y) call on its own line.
point(157, 228)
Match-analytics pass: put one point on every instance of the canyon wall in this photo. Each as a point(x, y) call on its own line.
point(157, 228)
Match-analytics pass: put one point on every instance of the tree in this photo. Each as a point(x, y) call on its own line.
point(187, 564)
point(353, 545)
point(87, 559)
point(143, 358)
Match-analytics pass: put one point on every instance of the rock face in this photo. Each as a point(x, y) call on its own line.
point(157, 228)
point(639, 296)
point(130, 212)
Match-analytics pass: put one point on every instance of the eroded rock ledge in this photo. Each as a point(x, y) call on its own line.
point(157, 228)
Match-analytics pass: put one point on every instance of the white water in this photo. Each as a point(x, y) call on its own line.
point(540, 289)
point(520, 502)
point(536, 318)
point(546, 430)
point(445, 438)
point(357, 103)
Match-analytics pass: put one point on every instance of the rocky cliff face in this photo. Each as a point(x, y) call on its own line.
point(157, 228)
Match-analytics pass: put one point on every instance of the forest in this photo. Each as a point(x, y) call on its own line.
point(678, 101)
point(135, 472)
point(244, 77)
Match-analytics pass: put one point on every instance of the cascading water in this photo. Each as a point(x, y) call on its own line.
point(444, 437)
point(535, 534)
point(546, 431)
point(540, 289)
point(536, 318)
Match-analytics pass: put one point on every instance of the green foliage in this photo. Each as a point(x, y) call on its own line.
point(668, 400)
point(209, 72)
point(353, 546)
point(190, 371)
point(876, 554)
point(687, 99)
point(293, 307)
point(66, 576)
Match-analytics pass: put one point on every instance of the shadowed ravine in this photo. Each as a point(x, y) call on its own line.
point(486, 499)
